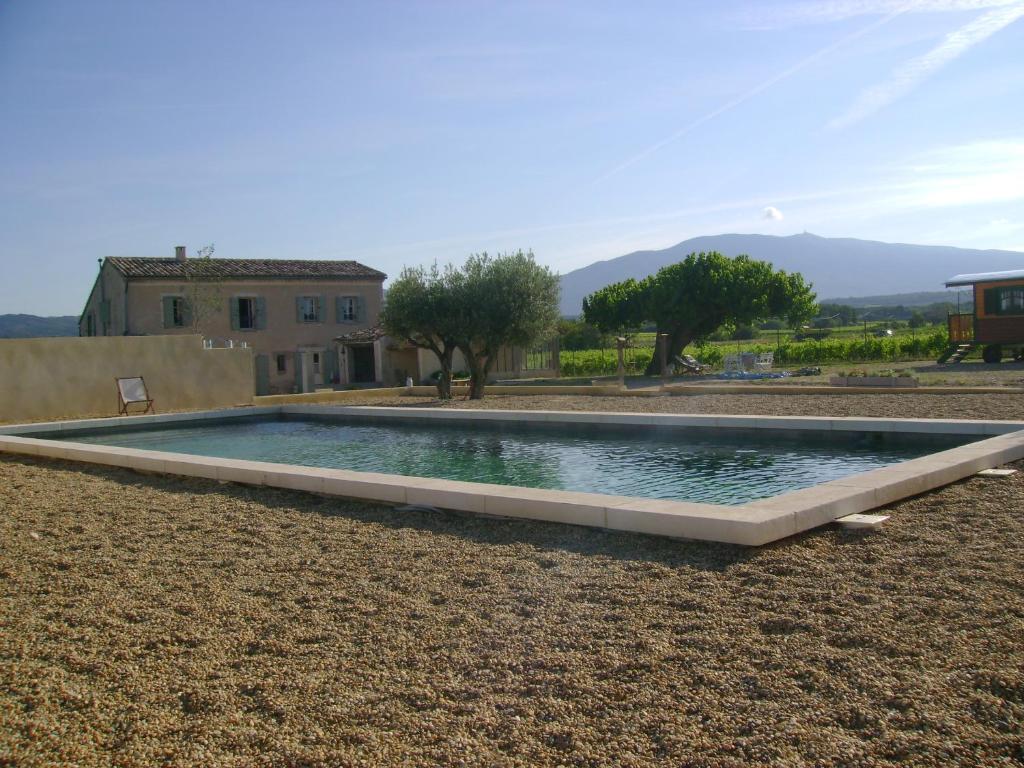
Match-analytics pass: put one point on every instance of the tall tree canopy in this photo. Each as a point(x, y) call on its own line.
point(690, 300)
point(507, 300)
point(422, 308)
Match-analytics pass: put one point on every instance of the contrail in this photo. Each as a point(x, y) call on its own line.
point(916, 71)
point(751, 93)
point(771, 16)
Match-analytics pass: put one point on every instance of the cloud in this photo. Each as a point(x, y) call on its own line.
point(773, 213)
point(914, 72)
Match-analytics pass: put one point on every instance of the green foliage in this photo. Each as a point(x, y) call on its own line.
point(916, 320)
point(507, 300)
point(579, 334)
point(422, 307)
point(814, 334)
point(743, 333)
point(619, 307)
point(595, 362)
point(840, 314)
point(693, 298)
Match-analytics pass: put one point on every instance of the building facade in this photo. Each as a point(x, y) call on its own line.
point(288, 311)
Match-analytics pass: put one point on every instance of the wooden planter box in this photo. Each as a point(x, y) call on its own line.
point(872, 381)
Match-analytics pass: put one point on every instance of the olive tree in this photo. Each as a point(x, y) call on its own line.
point(505, 301)
point(691, 299)
point(203, 290)
point(421, 308)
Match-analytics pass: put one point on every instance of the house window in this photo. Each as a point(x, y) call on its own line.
point(282, 363)
point(246, 313)
point(309, 309)
point(316, 362)
point(349, 308)
point(1011, 301)
point(1005, 301)
point(177, 312)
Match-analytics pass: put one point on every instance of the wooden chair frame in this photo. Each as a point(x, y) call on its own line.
point(122, 404)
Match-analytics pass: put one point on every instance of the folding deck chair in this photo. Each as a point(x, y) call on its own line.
point(132, 390)
point(687, 364)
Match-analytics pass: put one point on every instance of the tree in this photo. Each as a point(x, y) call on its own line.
point(917, 320)
point(508, 300)
point(421, 307)
point(575, 335)
point(203, 289)
point(691, 299)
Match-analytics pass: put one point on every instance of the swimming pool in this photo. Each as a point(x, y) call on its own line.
point(632, 472)
point(713, 466)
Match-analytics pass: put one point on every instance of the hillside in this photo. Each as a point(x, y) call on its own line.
point(28, 326)
point(917, 299)
point(836, 266)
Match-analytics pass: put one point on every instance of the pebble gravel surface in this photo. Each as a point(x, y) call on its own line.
point(149, 620)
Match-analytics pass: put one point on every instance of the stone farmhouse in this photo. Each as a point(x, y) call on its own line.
point(288, 311)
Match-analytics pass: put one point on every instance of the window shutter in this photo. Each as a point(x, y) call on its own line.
point(261, 313)
point(318, 302)
point(298, 371)
point(992, 301)
point(233, 305)
point(360, 312)
point(298, 309)
point(339, 311)
point(168, 306)
point(186, 313)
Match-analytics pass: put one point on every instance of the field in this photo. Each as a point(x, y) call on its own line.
point(848, 344)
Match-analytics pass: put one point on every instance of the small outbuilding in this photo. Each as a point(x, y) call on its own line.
point(997, 321)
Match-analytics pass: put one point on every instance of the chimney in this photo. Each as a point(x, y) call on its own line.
point(179, 253)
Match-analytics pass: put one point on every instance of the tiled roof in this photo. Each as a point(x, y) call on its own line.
point(246, 269)
point(363, 335)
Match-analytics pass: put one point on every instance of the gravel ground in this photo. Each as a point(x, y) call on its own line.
point(989, 406)
point(153, 620)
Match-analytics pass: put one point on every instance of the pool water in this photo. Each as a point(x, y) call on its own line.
point(712, 466)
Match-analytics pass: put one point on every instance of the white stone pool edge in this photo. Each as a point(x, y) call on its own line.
point(751, 524)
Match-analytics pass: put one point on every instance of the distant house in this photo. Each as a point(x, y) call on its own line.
point(997, 320)
point(289, 312)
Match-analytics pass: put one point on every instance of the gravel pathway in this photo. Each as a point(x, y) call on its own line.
point(151, 620)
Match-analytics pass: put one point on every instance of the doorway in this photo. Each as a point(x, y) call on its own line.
point(362, 364)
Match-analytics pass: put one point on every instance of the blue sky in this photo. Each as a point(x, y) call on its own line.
point(401, 133)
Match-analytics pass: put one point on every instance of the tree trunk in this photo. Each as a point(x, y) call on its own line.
point(677, 340)
point(444, 381)
point(479, 364)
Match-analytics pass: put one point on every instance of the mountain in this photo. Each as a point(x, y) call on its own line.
point(836, 266)
point(916, 299)
point(27, 326)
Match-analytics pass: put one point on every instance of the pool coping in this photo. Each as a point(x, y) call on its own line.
point(753, 524)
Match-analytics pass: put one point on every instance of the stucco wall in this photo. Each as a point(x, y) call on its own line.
point(282, 334)
point(69, 377)
point(109, 286)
